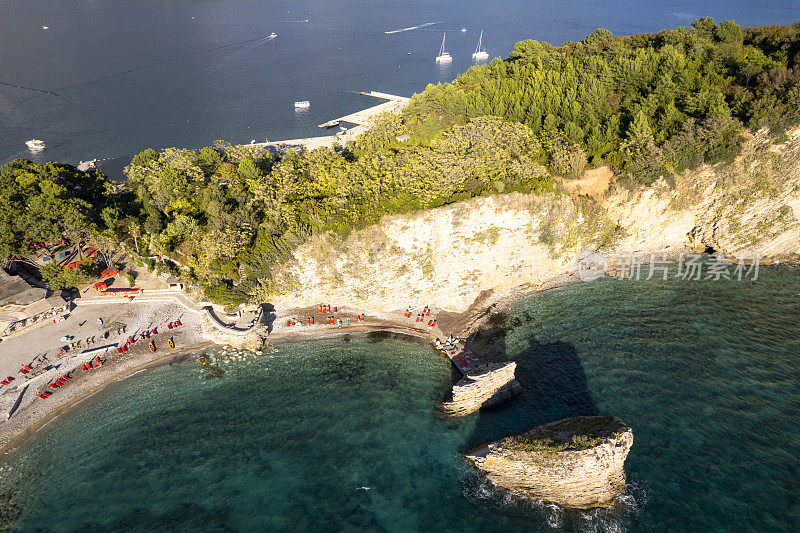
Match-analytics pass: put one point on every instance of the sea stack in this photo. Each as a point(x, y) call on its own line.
point(486, 386)
point(576, 462)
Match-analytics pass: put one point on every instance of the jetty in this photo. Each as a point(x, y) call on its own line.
point(483, 384)
point(393, 104)
point(362, 120)
point(461, 357)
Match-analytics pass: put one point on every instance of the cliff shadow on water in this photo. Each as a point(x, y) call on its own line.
point(554, 384)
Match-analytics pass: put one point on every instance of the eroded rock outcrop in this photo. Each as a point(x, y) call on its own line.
point(577, 462)
point(452, 254)
point(490, 385)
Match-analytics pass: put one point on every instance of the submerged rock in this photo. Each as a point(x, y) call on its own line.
point(577, 462)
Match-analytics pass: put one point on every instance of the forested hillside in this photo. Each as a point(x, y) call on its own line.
point(44, 203)
point(647, 105)
point(231, 215)
point(644, 104)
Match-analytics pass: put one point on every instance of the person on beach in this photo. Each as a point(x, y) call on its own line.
point(339, 323)
point(348, 320)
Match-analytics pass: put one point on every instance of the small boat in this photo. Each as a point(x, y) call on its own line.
point(273, 35)
point(35, 144)
point(45, 27)
point(463, 30)
point(480, 54)
point(303, 104)
point(444, 55)
point(331, 124)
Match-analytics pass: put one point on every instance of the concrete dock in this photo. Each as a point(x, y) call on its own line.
point(463, 359)
point(362, 119)
point(394, 104)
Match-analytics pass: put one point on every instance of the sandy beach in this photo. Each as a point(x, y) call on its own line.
point(41, 343)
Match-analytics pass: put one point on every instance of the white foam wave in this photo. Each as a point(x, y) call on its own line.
point(410, 28)
point(554, 515)
point(129, 375)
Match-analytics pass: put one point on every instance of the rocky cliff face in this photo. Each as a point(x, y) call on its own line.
point(449, 255)
point(578, 462)
point(488, 386)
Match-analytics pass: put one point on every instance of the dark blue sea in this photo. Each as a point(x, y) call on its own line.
point(342, 435)
point(110, 78)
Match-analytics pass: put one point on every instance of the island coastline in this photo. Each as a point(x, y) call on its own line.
point(25, 424)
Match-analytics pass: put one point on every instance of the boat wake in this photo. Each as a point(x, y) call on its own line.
point(242, 44)
point(410, 28)
point(31, 89)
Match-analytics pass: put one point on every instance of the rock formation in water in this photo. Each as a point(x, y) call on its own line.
point(483, 387)
point(577, 462)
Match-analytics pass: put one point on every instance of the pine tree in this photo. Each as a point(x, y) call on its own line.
point(639, 133)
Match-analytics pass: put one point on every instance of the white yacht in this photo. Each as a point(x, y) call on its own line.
point(304, 104)
point(480, 54)
point(273, 35)
point(444, 55)
point(35, 144)
point(45, 27)
point(463, 30)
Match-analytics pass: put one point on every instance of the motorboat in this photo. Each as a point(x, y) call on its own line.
point(303, 104)
point(463, 30)
point(35, 144)
point(273, 35)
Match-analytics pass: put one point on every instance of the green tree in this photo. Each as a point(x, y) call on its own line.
point(57, 278)
point(639, 134)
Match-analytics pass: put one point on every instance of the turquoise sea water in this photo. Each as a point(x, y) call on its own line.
point(341, 434)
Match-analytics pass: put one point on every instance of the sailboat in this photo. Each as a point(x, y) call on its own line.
point(444, 55)
point(480, 53)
